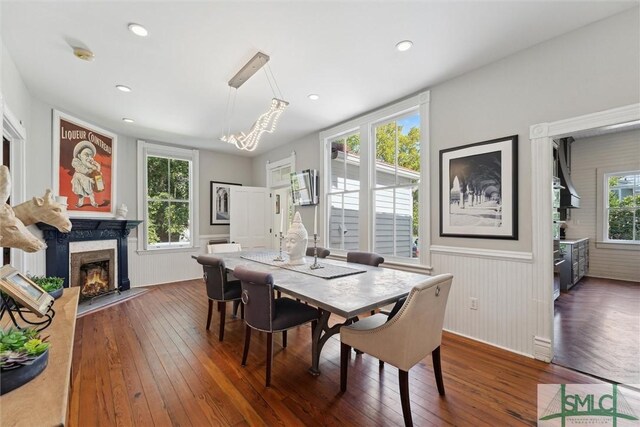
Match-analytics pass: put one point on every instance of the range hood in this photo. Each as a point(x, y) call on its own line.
point(568, 195)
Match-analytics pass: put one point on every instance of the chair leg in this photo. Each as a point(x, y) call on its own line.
point(380, 364)
point(345, 350)
point(284, 339)
point(247, 342)
point(222, 308)
point(269, 357)
point(234, 314)
point(404, 397)
point(209, 315)
point(437, 369)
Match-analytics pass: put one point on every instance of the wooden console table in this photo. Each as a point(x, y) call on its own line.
point(43, 401)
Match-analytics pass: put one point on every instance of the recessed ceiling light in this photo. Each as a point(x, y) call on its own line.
point(82, 53)
point(127, 120)
point(404, 45)
point(138, 30)
point(313, 96)
point(123, 88)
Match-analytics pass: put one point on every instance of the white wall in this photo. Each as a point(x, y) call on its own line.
point(587, 155)
point(144, 269)
point(307, 151)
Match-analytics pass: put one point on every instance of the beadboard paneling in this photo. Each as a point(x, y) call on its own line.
point(158, 268)
point(587, 155)
point(506, 313)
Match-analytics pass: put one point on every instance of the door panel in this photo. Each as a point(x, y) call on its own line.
point(250, 218)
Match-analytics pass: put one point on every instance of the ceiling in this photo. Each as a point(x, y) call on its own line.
point(343, 51)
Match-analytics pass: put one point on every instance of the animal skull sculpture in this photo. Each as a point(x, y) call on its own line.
point(13, 233)
point(44, 209)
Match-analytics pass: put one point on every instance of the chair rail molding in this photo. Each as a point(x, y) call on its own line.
point(541, 136)
point(483, 253)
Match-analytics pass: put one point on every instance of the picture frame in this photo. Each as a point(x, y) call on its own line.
point(24, 291)
point(84, 166)
point(479, 190)
point(220, 202)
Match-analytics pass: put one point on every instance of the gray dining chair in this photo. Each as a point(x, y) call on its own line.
point(265, 313)
point(219, 288)
point(365, 258)
point(404, 339)
point(322, 252)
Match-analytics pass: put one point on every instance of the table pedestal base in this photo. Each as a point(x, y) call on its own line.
point(320, 336)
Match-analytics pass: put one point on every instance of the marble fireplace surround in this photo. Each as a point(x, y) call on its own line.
point(85, 230)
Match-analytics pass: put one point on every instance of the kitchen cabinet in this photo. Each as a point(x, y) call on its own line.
point(576, 266)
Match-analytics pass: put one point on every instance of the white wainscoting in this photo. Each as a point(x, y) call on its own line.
point(165, 267)
point(504, 287)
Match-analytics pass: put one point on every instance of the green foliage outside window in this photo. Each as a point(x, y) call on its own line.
point(624, 207)
point(168, 207)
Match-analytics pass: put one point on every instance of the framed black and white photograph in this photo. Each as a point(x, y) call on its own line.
point(219, 202)
point(24, 291)
point(479, 190)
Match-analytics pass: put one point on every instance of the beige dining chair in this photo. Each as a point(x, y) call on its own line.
point(404, 339)
point(223, 248)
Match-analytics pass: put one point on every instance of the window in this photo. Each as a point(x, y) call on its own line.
point(397, 178)
point(343, 194)
point(168, 197)
point(622, 207)
point(373, 179)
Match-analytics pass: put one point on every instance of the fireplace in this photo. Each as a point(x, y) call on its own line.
point(94, 272)
point(89, 235)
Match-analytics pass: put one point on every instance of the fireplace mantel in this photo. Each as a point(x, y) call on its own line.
point(84, 229)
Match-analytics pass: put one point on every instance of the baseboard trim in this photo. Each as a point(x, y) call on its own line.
point(542, 349)
point(489, 343)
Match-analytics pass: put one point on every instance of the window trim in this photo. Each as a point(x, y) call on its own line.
point(364, 124)
point(602, 212)
point(146, 149)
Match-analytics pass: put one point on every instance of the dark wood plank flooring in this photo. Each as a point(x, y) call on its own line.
point(150, 361)
point(597, 329)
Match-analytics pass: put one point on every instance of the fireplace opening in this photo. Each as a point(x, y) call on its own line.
point(95, 272)
point(94, 279)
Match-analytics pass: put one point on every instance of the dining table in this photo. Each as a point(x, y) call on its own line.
point(337, 287)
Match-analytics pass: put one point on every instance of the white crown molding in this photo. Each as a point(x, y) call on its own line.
point(482, 253)
point(566, 127)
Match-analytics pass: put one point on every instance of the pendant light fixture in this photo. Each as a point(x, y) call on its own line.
point(267, 121)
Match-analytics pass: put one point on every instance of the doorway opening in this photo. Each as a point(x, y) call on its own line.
point(582, 314)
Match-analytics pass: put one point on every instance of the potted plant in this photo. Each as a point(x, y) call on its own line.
point(23, 356)
point(53, 285)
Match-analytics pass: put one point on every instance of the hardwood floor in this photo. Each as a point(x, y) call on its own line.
point(597, 329)
point(150, 361)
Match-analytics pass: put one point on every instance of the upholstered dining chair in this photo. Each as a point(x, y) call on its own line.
point(404, 339)
point(366, 258)
point(265, 313)
point(322, 252)
point(223, 247)
point(219, 288)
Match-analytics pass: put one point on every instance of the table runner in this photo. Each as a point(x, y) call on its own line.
point(330, 271)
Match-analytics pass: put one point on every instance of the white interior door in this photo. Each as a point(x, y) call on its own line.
point(250, 217)
point(280, 214)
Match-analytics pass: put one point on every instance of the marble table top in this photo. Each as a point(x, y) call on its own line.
point(346, 296)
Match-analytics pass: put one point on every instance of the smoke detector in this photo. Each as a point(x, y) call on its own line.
point(84, 54)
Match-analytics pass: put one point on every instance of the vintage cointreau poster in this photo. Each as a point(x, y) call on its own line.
point(84, 168)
